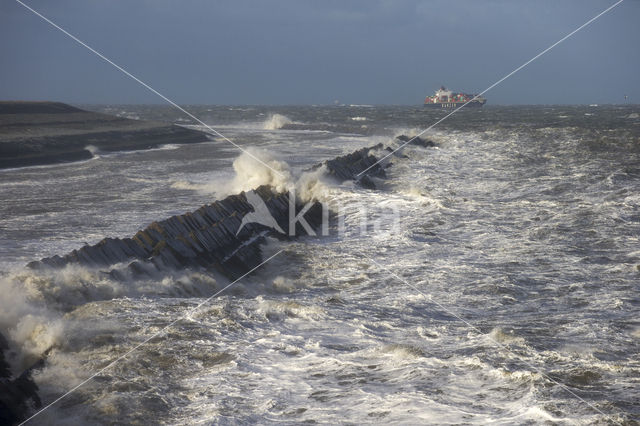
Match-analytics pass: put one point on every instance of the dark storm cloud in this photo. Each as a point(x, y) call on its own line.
point(300, 52)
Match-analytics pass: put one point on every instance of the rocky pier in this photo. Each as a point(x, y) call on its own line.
point(211, 238)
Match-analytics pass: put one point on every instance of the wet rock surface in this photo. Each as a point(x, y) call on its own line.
point(348, 167)
point(210, 237)
point(17, 395)
point(215, 237)
point(425, 143)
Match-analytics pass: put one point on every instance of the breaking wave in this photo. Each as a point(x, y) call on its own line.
point(256, 167)
point(276, 121)
point(32, 318)
point(30, 327)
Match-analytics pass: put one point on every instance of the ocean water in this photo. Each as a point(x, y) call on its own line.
point(500, 283)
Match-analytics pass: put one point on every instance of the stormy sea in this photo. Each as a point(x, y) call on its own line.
point(491, 276)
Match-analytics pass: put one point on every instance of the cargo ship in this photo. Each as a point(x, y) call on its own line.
point(444, 98)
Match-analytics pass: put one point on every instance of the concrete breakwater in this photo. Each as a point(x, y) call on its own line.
point(212, 238)
point(203, 238)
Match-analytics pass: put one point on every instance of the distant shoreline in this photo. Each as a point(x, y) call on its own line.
point(90, 106)
point(41, 133)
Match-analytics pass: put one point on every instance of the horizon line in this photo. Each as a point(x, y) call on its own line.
point(352, 105)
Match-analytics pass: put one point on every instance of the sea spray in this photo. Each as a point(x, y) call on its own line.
point(33, 310)
point(30, 327)
point(310, 185)
point(256, 167)
point(251, 173)
point(314, 185)
point(276, 121)
point(73, 291)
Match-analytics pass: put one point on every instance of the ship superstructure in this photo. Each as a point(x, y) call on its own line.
point(444, 98)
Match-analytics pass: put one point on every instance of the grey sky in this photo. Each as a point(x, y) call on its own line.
point(315, 52)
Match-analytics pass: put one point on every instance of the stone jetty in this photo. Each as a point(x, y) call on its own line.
point(211, 237)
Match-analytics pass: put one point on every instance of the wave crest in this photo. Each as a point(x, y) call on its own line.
point(276, 121)
point(251, 173)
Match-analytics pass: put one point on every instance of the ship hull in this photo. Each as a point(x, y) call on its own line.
point(454, 104)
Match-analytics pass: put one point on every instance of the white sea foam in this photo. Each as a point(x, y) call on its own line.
point(251, 173)
point(215, 188)
point(276, 121)
point(94, 150)
point(506, 337)
point(287, 309)
point(31, 327)
point(355, 344)
point(314, 185)
point(32, 318)
point(403, 351)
